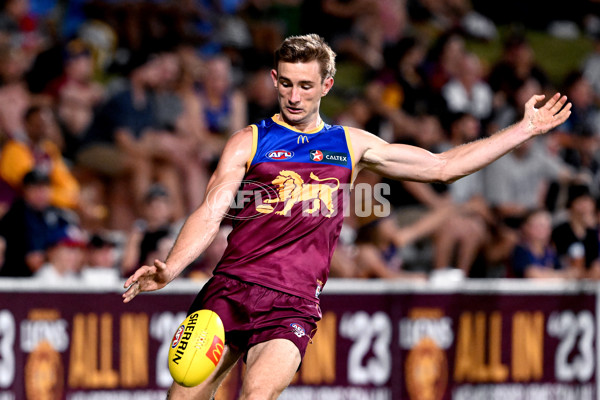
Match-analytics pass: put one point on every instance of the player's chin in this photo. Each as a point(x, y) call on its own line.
point(294, 114)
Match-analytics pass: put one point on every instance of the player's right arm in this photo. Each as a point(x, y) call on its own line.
point(202, 225)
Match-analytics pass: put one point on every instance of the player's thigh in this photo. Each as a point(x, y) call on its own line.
point(270, 367)
point(206, 389)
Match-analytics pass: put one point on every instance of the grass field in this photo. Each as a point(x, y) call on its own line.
point(557, 57)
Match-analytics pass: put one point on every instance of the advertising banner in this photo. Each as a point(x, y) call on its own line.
point(452, 346)
point(86, 346)
point(404, 344)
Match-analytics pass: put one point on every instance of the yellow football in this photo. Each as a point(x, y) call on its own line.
point(196, 348)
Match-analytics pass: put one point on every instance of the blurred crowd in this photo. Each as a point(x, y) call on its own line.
point(113, 115)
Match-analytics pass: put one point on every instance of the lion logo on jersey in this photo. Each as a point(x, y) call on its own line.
point(291, 189)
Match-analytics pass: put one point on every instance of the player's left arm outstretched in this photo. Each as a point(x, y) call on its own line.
point(412, 163)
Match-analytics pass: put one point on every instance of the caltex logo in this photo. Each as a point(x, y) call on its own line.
point(316, 155)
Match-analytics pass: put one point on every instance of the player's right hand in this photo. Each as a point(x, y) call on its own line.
point(146, 279)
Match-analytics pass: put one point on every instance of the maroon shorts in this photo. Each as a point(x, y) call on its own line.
point(254, 314)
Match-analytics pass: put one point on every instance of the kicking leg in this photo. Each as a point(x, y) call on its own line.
point(207, 389)
point(269, 370)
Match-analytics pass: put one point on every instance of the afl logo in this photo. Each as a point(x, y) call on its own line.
point(177, 336)
point(280, 154)
point(297, 329)
point(316, 155)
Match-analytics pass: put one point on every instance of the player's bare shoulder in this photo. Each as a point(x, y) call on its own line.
point(362, 142)
point(240, 145)
point(243, 136)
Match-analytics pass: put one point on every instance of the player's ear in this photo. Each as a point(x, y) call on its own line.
point(274, 77)
point(327, 85)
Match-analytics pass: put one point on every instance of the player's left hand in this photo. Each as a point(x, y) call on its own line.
point(549, 116)
point(146, 279)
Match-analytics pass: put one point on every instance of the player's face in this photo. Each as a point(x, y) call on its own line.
point(300, 88)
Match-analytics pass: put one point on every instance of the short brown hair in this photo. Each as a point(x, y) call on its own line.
point(307, 48)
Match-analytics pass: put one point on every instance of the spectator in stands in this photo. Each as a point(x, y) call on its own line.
point(100, 265)
point(379, 244)
point(121, 146)
point(356, 113)
point(14, 93)
point(29, 226)
point(222, 105)
point(400, 93)
point(190, 130)
point(467, 92)
point(392, 19)
point(112, 147)
point(363, 40)
point(591, 66)
point(20, 27)
point(534, 256)
point(39, 151)
point(580, 136)
point(519, 181)
point(262, 100)
point(354, 27)
point(153, 234)
point(552, 145)
point(516, 65)
point(343, 261)
point(440, 16)
point(585, 115)
point(76, 95)
point(577, 236)
point(404, 84)
point(444, 59)
point(174, 147)
point(65, 257)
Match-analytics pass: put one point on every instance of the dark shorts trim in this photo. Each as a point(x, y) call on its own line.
point(254, 314)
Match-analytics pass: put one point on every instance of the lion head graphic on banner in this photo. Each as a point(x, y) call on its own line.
point(44, 373)
point(426, 371)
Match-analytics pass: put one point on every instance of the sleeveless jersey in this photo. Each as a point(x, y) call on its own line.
point(289, 211)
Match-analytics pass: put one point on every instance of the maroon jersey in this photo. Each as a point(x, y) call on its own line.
point(289, 211)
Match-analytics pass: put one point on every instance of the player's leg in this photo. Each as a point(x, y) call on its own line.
point(207, 389)
point(270, 367)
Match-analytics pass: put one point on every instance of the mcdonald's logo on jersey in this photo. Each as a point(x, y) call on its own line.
point(302, 139)
point(215, 351)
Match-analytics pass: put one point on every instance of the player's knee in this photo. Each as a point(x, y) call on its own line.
point(260, 391)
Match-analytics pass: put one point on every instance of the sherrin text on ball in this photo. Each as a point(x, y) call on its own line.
point(196, 348)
